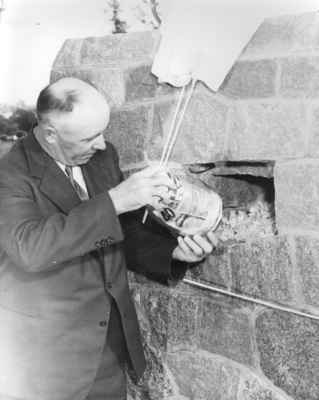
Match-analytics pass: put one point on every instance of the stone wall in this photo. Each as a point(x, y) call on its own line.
point(204, 345)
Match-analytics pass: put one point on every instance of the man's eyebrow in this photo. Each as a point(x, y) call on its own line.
point(92, 137)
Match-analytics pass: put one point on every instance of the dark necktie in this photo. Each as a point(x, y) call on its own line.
point(80, 192)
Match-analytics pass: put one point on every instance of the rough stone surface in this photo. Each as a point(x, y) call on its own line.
point(284, 35)
point(297, 195)
point(262, 269)
point(257, 168)
point(140, 84)
point(267, 131)
point(314, 136)
point(300, 77)
point(239, 191)
point(152, 312)
point(109, 81)
point(289, 353)
point(154, 305)
point(236, 132)
point(183, 314)
point(163, 112)
point(127, 130)
point(156, 383)
point(201, 137)
point(139, 45)
point(239, 226)
point(200, 376)
point(120, 48)
point(224, 329)
point(69, 55)
point(307, 253)
point(100, 50)
point(251, 79)
point(215, 269)
point(253, 389)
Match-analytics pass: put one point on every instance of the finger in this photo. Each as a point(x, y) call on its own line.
point(205, 245)
point(212, 238)
point(194, 247)
point(183, 246)
point(160, 197)
point(157, 197)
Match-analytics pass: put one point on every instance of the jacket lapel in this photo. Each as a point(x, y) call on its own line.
point(98, 179)
point(97, 174)
point(53, 183)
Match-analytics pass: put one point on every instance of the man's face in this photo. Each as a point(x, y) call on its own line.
point(79, 134)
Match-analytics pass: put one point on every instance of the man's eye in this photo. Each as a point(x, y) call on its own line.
point(92, 138)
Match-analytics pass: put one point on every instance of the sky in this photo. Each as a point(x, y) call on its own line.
point(33, 31)
point(202, 39)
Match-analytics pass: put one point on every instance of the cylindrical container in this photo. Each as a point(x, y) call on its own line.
point(192, 209)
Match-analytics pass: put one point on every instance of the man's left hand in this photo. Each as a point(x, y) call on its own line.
point(194, 248)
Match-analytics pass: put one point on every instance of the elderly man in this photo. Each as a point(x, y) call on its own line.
point(68, 230)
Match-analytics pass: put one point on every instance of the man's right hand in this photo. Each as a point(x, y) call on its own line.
point(146, 187)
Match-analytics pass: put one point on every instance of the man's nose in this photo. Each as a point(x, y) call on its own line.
point(99, 144)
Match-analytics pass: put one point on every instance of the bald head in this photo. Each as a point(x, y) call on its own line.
point(65, 95)
point(72, 117)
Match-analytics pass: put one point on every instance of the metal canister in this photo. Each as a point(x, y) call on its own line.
point(192, 209)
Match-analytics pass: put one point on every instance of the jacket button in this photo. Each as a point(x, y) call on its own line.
point(110, 240)
point(104, 242)
point(102, 323)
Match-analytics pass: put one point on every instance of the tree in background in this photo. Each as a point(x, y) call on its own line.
point(24, 119)
point(5, 126)
point(145, 12)
point(18, 124)
point(148, 13)
point(119, 25)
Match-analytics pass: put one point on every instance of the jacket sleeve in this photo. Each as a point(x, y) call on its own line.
point(38, 243)
point(149, 247)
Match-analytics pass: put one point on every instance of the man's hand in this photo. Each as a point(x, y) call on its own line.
point(147, 187)
point(195, 248)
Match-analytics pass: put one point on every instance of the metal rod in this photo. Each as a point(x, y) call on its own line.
point(179, 123)
point(170, 136)
point(269, 304)
point(173, 125)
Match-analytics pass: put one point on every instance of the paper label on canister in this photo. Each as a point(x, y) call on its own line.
point(192, 209)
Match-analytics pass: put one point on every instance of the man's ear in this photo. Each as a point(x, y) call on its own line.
point(49, 134)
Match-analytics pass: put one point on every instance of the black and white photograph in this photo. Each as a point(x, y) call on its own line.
point(159, 200)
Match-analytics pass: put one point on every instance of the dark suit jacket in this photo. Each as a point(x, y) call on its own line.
point(61, 261)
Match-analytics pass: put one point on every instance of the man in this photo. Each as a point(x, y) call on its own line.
point(67, 322)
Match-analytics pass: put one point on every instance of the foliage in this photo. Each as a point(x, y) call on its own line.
point(18, 124)
point(148, 13)
point(119, 26)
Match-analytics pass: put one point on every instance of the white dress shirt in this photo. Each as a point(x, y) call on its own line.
point(77, 175)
